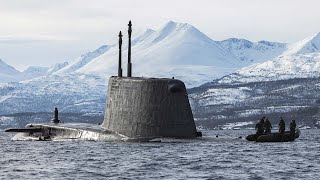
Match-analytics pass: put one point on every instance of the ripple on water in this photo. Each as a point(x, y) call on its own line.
point(225, 157)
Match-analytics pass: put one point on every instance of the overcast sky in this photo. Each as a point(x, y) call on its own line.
point(43, 32)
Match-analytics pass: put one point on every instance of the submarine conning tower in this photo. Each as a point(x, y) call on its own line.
point(149, 107)
point(139, 107)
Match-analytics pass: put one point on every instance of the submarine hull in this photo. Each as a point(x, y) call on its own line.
point(68, 131)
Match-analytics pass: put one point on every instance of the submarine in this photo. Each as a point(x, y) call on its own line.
point(137, 109)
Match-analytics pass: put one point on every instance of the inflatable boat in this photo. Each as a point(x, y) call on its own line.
point(274, 137)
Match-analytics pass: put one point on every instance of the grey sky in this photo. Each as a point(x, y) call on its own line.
point(43, 32)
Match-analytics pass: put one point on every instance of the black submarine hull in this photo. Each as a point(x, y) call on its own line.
point(78, 131)
point(24, 130)
point(67, 131)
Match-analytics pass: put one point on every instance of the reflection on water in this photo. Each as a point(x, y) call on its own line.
point(225, 157)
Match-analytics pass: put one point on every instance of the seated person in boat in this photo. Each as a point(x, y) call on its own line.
point(293, 126)
point(260, 127)
point(267, 126)
point(282, 126)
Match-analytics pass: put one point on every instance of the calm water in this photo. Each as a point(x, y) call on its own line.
point(225, 157)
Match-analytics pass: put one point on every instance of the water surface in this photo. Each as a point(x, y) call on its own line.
point(223, 157)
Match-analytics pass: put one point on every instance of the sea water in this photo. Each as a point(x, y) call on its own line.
point(224, 157)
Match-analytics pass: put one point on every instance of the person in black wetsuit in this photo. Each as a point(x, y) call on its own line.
point(282, 126)
point(293, 126)
point(260, 127)
point(267, 126)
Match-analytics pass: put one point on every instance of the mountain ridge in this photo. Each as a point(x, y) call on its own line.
point(184, 53)
point(8, 73)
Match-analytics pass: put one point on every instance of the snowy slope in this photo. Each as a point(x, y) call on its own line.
point(8, 73)
point(286, 67)
point(300, 60)
point(216, 103)
point(308, 45)
point(253, 52)
point(287, 86)
point(177, 49)
point(35, 71)
point(83, 60)
point(38, 71)
point(56, 67)
point(71, 93)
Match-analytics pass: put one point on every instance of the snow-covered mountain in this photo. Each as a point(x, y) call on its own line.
point(38, 71)
point(253, 52)
point(286, 86)
point(8, 73)
point(83, 60)
point(300, 60)
point(216, 104)
point(35, 71)
point(308, 45)
point(182, 51)
point(71, 93)
point(176, 50)
point(56, 67)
